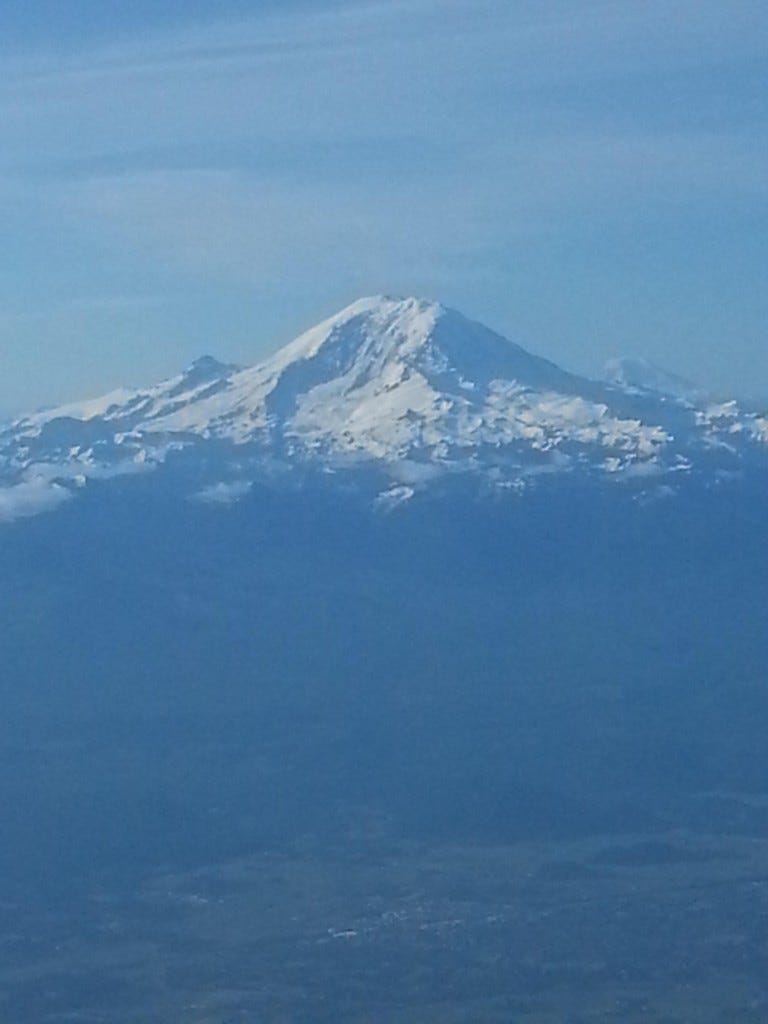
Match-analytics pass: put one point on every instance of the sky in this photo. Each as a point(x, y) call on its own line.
point(588, 177)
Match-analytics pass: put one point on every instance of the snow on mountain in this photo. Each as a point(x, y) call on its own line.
point(636, 374)
point(406, 386)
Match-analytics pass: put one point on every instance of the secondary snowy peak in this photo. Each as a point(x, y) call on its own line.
point(406, 386)
point(205, 369)
point(636, 374)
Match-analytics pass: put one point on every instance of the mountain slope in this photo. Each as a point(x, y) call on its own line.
point(407, 387)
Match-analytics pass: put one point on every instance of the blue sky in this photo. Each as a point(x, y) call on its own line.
point(590, 177)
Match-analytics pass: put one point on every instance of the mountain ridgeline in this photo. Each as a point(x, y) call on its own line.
point(402, 577)
point(402, 393)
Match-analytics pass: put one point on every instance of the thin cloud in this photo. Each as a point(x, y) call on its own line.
point(30, 499)
point(254, 227)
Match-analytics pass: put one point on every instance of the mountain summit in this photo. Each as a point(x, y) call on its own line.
point(643, 375)
point(406, 387)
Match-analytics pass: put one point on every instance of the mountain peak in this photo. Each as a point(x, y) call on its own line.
point(387, 303)
point(376, 315)
point(207, 368)
point(636, 374)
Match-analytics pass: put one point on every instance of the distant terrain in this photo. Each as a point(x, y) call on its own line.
point(469, 729)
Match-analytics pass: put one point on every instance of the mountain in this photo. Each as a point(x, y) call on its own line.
point(404, 389)
point(277, 729)
point(642, 375)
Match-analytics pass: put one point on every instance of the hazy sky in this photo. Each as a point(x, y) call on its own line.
point(590, 178)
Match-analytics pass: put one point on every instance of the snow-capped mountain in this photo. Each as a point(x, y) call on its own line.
point(403, 386)
point(642, 375)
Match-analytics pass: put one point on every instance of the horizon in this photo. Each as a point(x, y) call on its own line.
point(587, 179)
